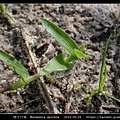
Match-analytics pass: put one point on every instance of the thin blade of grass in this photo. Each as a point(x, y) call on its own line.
point(18, 67)
point(105, 76)
point(110, 96)
point(103, 67)
point(2, 8)
point(104, 79)
point(9, 16)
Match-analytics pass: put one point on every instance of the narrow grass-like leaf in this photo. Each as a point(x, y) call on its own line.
point(8, 15)
point(18, 67)
point(103, 73)
point(110, 96)
point(56, 64)
point(101, 85)
point(81, 48)
point(62, 37)
point(2, 8)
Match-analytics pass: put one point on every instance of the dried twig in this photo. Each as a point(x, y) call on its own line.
point(69, 91)
point(41, 84)
point(110, 107)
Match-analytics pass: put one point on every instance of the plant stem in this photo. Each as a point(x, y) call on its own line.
point(2, 7)
point(22, 82)
point(111, 96)
point(70, 58)
point(31, 78)
point(92, 94)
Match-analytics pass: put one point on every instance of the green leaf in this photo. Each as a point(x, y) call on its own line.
point(81, 48)
point(80, 54)
point(110, 96)
point(8, 15)
point(103, 72)
point(56, 64)
point(102, 82)
point(63, 38)
point(2, 7)
point(18, 67)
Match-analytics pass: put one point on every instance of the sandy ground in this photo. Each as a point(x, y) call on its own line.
point(90, 24)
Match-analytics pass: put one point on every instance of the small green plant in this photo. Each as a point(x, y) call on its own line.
point(60, 62)
point(103, 76)
point(3, 10)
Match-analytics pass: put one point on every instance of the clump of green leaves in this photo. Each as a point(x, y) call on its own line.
point(103, 76)
point(60, 62)
point(3, 10)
